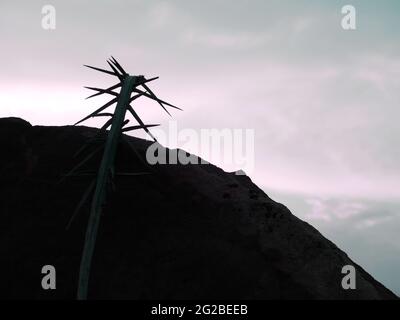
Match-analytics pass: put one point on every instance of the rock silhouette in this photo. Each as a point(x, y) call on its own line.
point(180, 232)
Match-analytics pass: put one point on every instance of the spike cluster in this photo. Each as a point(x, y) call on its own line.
point(132, 88)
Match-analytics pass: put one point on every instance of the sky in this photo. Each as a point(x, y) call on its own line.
point(323, 101)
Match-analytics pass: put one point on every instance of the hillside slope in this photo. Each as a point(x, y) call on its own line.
point(179, 232)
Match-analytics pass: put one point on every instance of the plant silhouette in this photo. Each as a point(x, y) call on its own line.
point(132, 88)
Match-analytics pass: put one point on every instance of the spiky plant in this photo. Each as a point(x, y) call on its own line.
point(132, 87)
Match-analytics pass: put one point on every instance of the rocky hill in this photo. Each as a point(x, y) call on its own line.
point(179, 232)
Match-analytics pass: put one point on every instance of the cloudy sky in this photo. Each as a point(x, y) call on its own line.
point(323, 101)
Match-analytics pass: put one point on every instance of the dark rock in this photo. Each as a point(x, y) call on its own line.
point(166, 235)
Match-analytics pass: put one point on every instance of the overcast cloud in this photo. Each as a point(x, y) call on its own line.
point(324, 102)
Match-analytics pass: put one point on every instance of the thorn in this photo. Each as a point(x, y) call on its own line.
point(135, 97)
point(101, 70)
point(86, 159)
point(98, 110)
point(156, 99)
point(110, 88)
point(118, 65)
point(139, 127)
point(130, 145)
point(101, 91)
point(106, 125)
point(104, 114)
point(115, 70)
point(134, 114)
point(81, 203)
point(125, 123)
point(146, 81)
